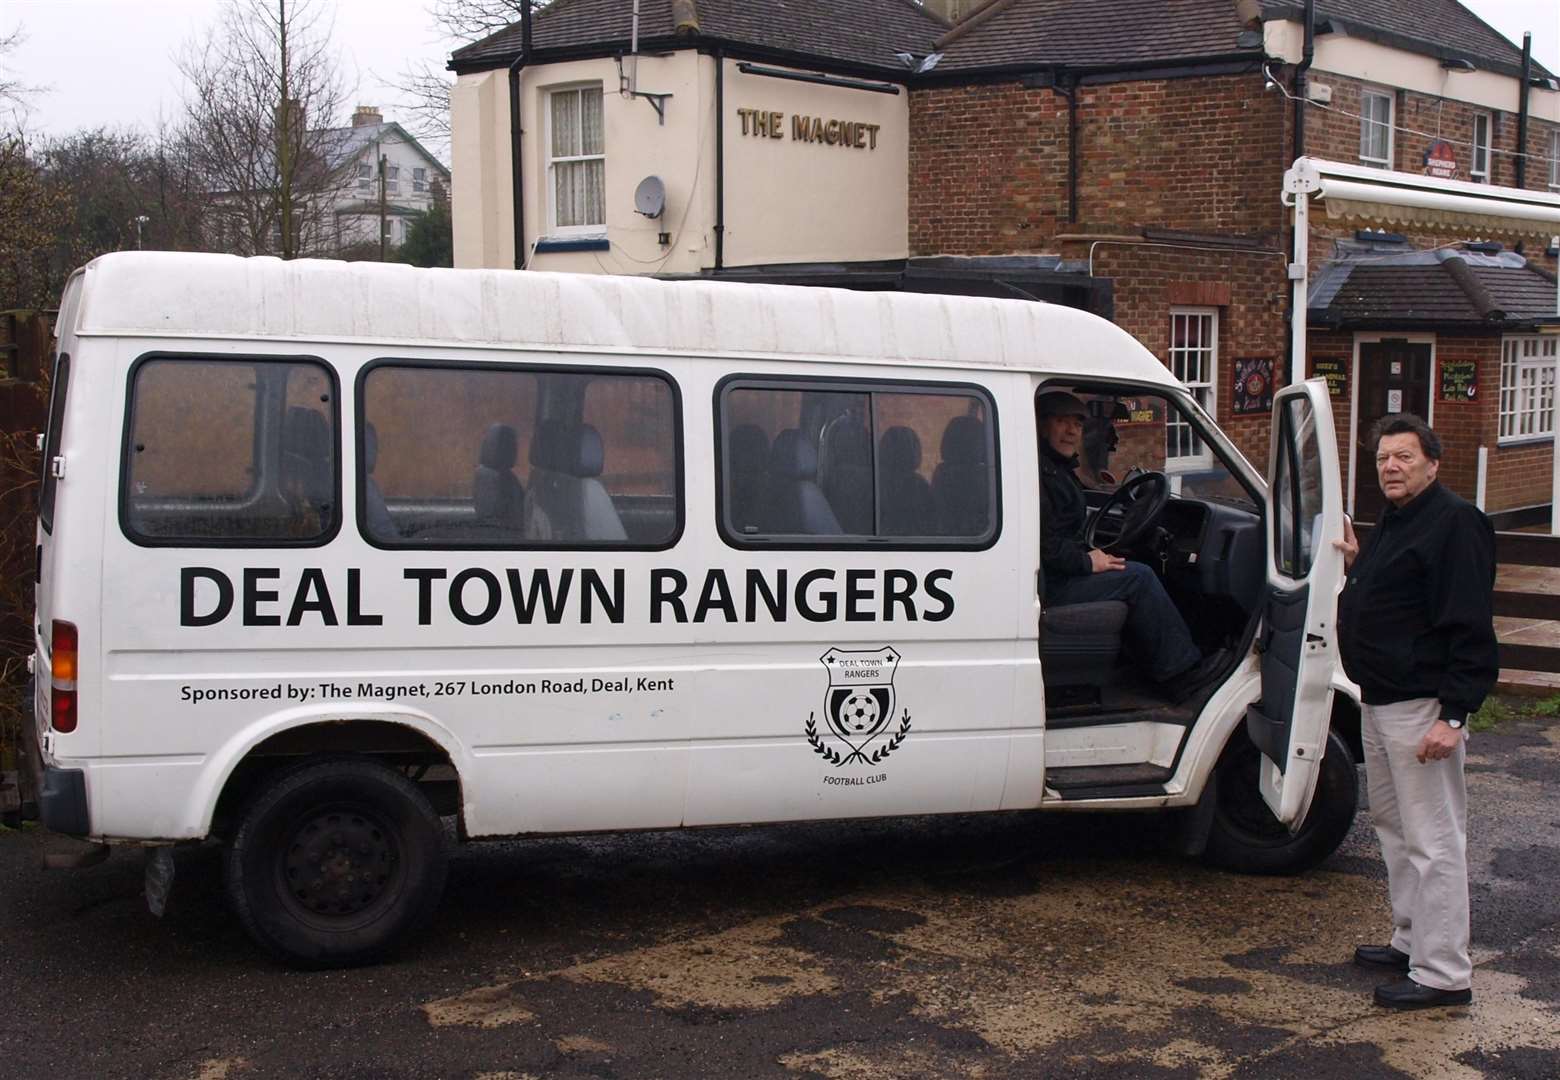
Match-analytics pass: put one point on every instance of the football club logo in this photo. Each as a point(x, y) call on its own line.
point(858, 706)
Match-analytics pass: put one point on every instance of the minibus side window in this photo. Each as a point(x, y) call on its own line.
point(51, 445)
point(229, 452)
point(851, 464)
point(518, 457)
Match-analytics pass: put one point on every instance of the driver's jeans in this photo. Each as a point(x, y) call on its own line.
point(1156, 633)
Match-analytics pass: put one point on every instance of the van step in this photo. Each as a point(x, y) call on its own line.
point(1073, 781)
point(1156, 712)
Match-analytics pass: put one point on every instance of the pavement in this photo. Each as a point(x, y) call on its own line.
point(1535, 579)
point(998, 946)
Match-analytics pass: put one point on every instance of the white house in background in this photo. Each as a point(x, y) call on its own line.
point(414, 178)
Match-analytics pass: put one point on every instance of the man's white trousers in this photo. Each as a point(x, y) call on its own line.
point(1421, 817)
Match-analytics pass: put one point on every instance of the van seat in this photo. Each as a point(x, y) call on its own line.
point(496, 491)
point(569, 502)
point(1082, 642)
point(845, 472)
point(961, 482)
point(794, 504)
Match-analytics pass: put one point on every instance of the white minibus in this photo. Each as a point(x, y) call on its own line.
point(330, 552)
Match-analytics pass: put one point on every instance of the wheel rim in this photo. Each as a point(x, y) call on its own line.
point(1241, 804)
point(338, 863)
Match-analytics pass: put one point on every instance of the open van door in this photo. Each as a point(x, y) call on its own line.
point(1299, 641)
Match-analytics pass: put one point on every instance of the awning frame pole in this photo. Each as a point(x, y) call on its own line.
point(1301, 182)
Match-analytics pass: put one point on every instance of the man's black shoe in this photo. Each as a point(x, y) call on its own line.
point(1407, 994)
point(1381, 956)
point(1194, 678)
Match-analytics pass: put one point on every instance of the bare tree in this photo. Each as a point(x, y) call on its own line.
point(263, 88)
point(427, 87)
point(14, 93)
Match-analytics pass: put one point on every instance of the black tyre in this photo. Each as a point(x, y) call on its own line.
point(334, 863)
point(1247, 838)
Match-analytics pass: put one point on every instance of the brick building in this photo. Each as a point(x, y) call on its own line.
point(1127, 157)
point(1146, 144)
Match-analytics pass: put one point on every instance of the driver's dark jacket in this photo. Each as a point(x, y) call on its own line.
point(1063, 514)
point(1414, 617)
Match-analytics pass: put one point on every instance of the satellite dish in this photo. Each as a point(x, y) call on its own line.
point(650, 197)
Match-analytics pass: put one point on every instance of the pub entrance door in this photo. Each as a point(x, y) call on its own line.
point(1394, 378)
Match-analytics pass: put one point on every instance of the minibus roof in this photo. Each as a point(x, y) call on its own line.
point(186, 295)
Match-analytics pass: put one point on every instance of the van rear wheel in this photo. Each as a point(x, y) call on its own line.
point(1245, 836)
point(334, 863)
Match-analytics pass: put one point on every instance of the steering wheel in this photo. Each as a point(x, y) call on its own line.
point(1130, 512)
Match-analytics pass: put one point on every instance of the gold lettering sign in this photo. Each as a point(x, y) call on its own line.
point(768, 124)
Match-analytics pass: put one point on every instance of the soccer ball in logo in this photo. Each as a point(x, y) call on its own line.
point(860, 712)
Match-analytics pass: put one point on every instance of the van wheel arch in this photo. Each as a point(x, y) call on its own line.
point(399, 747)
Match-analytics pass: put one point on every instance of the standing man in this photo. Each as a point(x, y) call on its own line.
point(1078, 574)
point(1415, 630)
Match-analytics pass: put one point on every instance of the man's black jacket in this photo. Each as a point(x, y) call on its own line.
point(1414, 619)
point(1062, 516)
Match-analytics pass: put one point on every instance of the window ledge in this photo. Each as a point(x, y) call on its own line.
point(571, 243)
point(1514, 442)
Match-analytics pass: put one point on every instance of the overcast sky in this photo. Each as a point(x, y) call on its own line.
point(110, 62)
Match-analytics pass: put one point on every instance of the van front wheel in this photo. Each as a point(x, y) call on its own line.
point(1247, 838)
point(334, 863)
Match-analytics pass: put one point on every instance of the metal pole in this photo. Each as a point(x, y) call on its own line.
point(1300, 183)
point(382, 221)
point(284, 178)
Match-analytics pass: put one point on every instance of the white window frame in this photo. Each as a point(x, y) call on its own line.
point(1554, 159)
point(392, 179)
point(1479, 172)
point(1526, 407)
point(1205, 389)
point(419, 179)
point(592, 230)
point(1367, 125)
point(365, 175)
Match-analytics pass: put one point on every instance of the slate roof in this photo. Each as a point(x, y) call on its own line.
point(1085, 33)
point(1439, 28)
point(1440, 289)
point(855, 33)
point(342, 145)
point(1000, 35)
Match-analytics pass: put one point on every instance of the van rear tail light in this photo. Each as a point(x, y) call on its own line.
point(62, 677)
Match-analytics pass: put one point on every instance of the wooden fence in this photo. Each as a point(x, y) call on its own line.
point(1528, 549)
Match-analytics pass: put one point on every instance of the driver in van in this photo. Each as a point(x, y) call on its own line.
point(1078, 574)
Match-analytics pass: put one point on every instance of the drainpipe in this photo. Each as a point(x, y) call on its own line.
point(1307, 54)
point(1522, 108)
point(1295, 358)
point(720, 159)
point(1066, 84)
point(517, 181)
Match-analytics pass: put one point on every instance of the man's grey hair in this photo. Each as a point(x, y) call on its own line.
point(1402, 424)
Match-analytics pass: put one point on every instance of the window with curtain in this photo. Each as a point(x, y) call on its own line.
point(1376, 130)
point(577, 160)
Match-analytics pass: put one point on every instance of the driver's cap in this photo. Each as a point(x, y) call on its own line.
point(1061, 403)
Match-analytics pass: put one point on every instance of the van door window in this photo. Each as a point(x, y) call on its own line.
point(51, 445)
point(229, 451)
point(848, 464)
point(508, 457)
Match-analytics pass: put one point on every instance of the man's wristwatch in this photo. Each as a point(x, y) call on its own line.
point(1453, 722)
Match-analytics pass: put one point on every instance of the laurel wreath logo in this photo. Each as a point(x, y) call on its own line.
point(835, 758)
